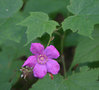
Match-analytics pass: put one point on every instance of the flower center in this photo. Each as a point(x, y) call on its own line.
point(42, 59)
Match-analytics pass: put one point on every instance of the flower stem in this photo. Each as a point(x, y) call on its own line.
point(51, 37)
point(62, 55)
point(49, 40)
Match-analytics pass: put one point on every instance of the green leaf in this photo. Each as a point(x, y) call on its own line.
point(9, 67)
point(48, 83)
point(5, 86)
point(10, 31)
point(84, 80)
point(87, 49)
point(2, 20)
point(9, 7)
point(71, 38)
point(47, 6)
point(86, 15)
point(11, 54)
point(37, 24)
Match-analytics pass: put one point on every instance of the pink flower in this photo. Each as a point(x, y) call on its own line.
point(42, 60)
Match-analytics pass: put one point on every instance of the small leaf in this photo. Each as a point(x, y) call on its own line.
point(37, 24)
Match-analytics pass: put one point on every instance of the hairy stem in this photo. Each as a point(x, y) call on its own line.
point(51, 37)
point(62, 55)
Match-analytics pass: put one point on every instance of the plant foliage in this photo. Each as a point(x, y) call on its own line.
point(72, 26)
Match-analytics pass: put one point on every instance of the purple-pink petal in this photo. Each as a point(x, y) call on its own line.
point(51, 52)
point(53, 66)
point(37, 48)
point(31, 61)
point(40, 70)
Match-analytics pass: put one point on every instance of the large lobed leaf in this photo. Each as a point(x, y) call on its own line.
point(9, 68)
point(87, 49)
point(9, 30)
point(86, 15)
point(9, 7)
point(47, 6)
point(11, 59)
point(37, 24)
point(84, 80)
